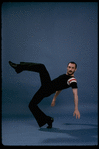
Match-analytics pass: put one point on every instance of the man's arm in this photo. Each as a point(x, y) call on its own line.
point(76, 111)
point(54, 98)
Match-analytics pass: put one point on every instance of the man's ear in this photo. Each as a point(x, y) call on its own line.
point(75, 69)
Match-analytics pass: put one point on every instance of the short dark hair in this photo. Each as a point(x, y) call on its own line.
point(73, 63)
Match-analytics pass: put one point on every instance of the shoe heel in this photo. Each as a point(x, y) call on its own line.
point(50, 121)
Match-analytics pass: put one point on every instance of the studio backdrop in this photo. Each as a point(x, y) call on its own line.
point(52, 33)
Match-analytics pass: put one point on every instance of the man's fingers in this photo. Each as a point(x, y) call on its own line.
point(52, 104)
point(73, 114)
point(79, 116)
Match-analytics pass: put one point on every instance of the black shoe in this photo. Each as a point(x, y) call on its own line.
point(17, 67)
point(50, 121)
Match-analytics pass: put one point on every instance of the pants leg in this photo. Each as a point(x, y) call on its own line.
point(37, 67)
point(40, 117)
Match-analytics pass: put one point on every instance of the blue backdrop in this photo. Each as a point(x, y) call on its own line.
point(53, 34)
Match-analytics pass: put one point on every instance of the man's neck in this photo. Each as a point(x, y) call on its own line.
point(70, 75)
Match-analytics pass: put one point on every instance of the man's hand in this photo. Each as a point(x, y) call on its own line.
point(77, 113)
point(54, 98)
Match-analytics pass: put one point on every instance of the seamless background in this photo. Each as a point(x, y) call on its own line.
point(52, 33)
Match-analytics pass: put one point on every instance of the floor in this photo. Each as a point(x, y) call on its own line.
point(66, 131)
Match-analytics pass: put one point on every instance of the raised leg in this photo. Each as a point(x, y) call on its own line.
point(36, 67)
point(40, 68)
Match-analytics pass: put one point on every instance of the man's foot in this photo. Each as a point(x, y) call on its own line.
point(17, 67)
point(50, 121)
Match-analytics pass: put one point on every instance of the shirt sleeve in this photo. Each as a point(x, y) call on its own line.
point(72, 82)
point(73, 85)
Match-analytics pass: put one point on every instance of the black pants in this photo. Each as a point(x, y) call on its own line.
point(44, 91)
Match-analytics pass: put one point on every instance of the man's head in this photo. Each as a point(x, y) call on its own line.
point(71, 68)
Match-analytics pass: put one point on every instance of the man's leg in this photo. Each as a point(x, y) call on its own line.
point(40, 117)
point(36, 67)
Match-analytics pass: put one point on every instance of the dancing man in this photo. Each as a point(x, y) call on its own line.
point(49, 87)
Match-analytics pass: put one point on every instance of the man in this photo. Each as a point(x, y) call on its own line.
point(49, 87)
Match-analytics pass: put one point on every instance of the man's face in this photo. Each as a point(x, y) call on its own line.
point(71, 69)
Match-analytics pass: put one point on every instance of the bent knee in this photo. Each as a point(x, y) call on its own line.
point(42, 66)
point(31, 105)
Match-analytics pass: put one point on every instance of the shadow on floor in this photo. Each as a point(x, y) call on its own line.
point(88, 136)
point(81, 124)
